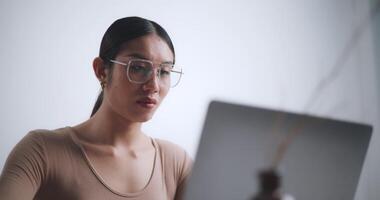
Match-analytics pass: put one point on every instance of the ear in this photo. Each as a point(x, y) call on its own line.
point(99, 68)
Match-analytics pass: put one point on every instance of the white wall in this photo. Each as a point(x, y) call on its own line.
point(282, 50)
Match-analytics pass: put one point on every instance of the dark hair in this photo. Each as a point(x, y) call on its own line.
point(121, 31)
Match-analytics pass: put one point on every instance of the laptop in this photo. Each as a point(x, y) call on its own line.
point(316, 158)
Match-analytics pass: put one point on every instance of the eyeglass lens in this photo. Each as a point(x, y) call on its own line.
point(141, 71)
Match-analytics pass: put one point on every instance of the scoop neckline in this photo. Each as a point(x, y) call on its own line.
point(73, 135)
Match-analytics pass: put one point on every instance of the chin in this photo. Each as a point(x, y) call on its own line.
point(144, 116)
point(144, 119)
point(136, 116)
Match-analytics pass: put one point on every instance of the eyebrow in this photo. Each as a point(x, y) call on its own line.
point(140, 56)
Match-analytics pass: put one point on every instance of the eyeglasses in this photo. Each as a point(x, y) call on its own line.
point(140, 71)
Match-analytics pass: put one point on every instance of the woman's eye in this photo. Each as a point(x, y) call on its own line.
point(164, 72)
point(137, 68)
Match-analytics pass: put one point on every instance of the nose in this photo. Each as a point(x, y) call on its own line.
point(153, 84)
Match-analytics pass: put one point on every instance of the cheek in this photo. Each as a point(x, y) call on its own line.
point(120, 81)
point(163, 92)
point(120, 89)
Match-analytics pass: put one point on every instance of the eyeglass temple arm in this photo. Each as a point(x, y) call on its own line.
point(117, 62)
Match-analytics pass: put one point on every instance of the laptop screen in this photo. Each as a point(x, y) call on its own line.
point(319, 158)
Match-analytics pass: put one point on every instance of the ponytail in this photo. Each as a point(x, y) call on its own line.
point(98, 102)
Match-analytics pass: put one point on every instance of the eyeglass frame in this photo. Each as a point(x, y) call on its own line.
point(151, 62)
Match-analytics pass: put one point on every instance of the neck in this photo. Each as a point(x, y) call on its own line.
point(109, 128)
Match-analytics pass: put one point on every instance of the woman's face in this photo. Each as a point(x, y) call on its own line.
point(138, 102)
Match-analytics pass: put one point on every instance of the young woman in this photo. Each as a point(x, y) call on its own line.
point(108, 156)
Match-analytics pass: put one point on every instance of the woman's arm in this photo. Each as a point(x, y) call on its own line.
point(24, 170)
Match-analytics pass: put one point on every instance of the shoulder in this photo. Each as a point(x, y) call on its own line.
point(48, 137)
point(32, 142)
point(44, 143)
point(171, 150)
point(177, 165)
point(175, 159)
point(41, 141)
point(46, 147)
point(168, 147)
point(29, 163)
point(46, 133)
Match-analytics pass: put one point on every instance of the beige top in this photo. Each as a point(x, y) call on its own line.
point(53, 165)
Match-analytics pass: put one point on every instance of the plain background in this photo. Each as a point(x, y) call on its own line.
point(307, 56)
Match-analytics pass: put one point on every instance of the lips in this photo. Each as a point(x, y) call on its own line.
point(147, 102)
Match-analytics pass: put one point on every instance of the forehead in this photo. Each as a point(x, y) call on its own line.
point(150, 47)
